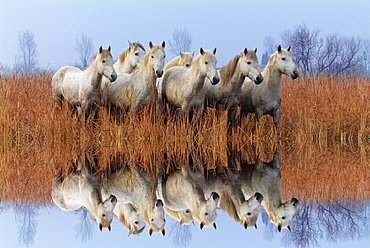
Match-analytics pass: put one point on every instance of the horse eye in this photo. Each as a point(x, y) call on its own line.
point(103, 61)
point(164, 220)
point(136, 222)
point(187, 65)
point(249, 214)
point(152, 220)
point(249, 63)
point(283, 217)
point(152, 57)
point(283, 58)
point(206, 214)
point(206, 63)
point(136, 54)
point(164, 56)
point(103, 215)
point(187, 211)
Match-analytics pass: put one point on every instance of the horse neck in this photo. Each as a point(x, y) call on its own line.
point(272, 75)
point(196, 76)
point(123, 65)
point(95, 78)
point(145, 72)
point(93, 201)
point(231, 204)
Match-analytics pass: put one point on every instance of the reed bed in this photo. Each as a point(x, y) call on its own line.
point(323, 138)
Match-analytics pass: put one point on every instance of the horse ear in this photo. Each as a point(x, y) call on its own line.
point(100, 227)
point(255, 226)
point(289, 48)
point(163, 232)
point(163, 44)
point(192, 53)
point(129, 43)
point(201, 50)
point(201, 226)
point(109, 48)
point(150, 44)
point(150, 232)
point(245, 51)
point(255, 50)
point(289, 229)
point(129, 233)
point(214, 50)
point(181, 54)
point(215, 226)
point(279, 228)
point(100, 49)
point(109, 228)
point(279, 48)
point(245, 225)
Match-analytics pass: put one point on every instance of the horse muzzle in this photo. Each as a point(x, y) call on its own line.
point(113, 77)
point(294, 75)
point(258, 79)
point(159, 73)
point(215, 80)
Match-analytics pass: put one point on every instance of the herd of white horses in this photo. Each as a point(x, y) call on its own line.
point(188, 194)
point(186, 83)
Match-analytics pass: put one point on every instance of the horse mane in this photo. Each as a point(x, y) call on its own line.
point(226, 203)
point(227, 71)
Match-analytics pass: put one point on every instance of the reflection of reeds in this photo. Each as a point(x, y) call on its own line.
point(323, 138)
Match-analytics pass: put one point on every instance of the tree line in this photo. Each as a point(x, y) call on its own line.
point(313, 53)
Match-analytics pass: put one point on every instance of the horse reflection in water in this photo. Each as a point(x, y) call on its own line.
point(266, 179)
point(130, 185)
point(130, 217)
point(181, 191)
point(232, 199)
point(82, 188)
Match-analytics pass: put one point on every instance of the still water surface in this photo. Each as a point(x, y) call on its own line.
point(335, 217)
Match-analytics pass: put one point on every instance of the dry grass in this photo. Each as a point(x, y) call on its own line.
point(323, 138)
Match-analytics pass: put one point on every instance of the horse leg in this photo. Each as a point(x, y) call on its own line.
point(276, 117)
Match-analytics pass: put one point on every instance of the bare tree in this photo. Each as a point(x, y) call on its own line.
point(305, 44)
point(84, 48)
point(28, 51)
point(270, 45)
point(84, 228)
point(27, 224)
point(181, 41)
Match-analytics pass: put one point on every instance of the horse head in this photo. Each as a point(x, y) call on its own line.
point(104, 60)
point(136, 53)
point(249, 211)
point(208, 65)
point(285, 62)
point(156, 58)
point(283, 215)
point(249, 64)
point(157, 219)
point(186, 59)
point(207, 212)
point(104, 213)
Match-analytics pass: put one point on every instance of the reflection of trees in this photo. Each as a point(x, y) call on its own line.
point(84, 228)
point(333, 222)
point(181, 235)
point(26, 216)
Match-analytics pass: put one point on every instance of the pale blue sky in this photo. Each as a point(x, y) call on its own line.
point(228, 25)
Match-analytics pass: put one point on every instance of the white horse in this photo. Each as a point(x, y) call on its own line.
point(226, 93)
point(185, 59)
point(83, 189)
point(265, 98)
point(232, 200)
point(130, 58)
point(130, 185)
point(129, 217)
point(266, 179)
point(181, 193)
point(134, 91)
point(82, 88)
point(183, 87)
